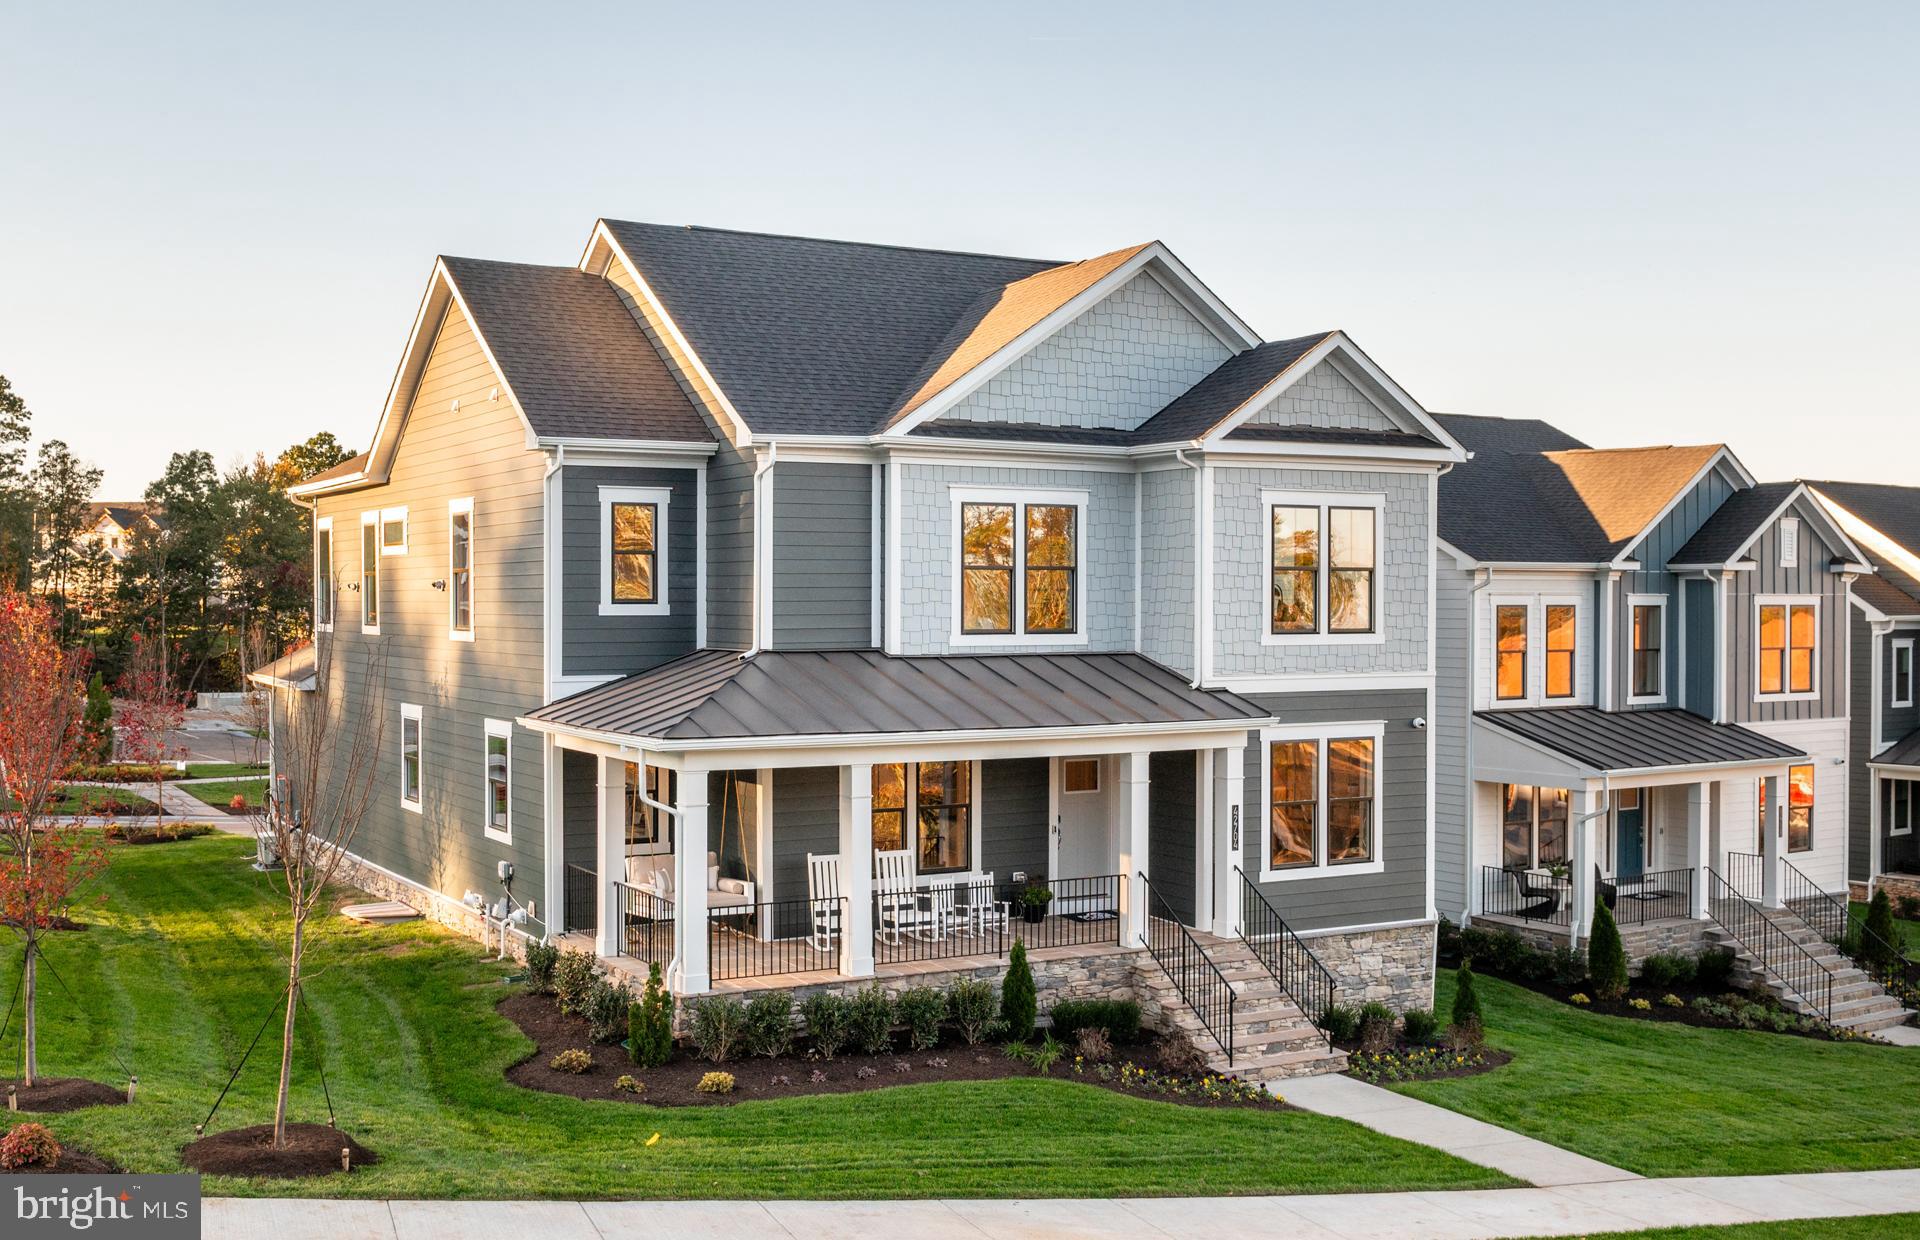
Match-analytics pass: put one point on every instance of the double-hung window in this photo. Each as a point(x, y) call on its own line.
point(1560, 647)
point(1323, 801)
point(460, 569)
point(633, 550)
point(370, 572)
point(1788, 647)
point(497, 806)
point(1019, 565)
point(1323, 562)
point(1533, 826)
point(1799, 807)
point(927, 808)
point(1647, 672)
point(1902, 686)
point(1899, 805)
point(323, 575)
point(1510, 651)
point(412, 741)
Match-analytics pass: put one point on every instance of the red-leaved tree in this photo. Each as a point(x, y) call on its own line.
point(43, 864)
point(150, 713)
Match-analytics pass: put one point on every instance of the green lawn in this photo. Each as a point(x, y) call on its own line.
point(224, 770)
point(221, 792)
point(1864, 1227)
point(1667, 1099)
point(183, 965)
point(85, 798)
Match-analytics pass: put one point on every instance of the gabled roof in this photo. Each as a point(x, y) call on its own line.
point(1894, 511)
point(1884, 521)
point(715, 695)
point(1903, 752)
point(1481, 433)
point(128, 513)
point(1638, 740)
point(1732, 526)
point(1221, 394)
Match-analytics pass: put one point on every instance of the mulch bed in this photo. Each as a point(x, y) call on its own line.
point(70, 1162)
point(312, 1149)
point(52, 1095)
point(56, 923)
point(1490, 1059)
point(788, 1076)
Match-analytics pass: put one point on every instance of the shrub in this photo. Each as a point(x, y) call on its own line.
point(606, 1009)
point(1664, 969)
point(1091, 1043)
point(716, 1083)
point(718, 1025)
point(769, 1024)
point(574, 1061)
point(629, 1085)
point(541, 957)
point(650, 1024)
point(828, 1016)
point(1909, 908)
point(1672, 1001)
point(870, 1021)
point(1341, 1023)
point(1119, 1019)
point(1713, 967)
point(1465, 1038)
point(1641, 1005)
point(572, 977)
point(28, 1145)
point(1178, 1056)
point(922, 1009)
point(1566, 966)
point(1018, 1004)
point(1045, 1055)
point(1579, 1000)
point(1420, 1025)
point(1466, 1002)
point(1376, 1027)
point(1877, 947)
point(1606, 955)
point(972, 1004)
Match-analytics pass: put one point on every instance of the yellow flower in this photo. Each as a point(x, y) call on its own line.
point(653, 1140)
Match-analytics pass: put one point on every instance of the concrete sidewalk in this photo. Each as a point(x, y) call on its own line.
point(1628, 1205)
point(1410, 1119)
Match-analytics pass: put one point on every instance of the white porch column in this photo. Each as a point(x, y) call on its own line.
point(1228, 850)
point(856, 869)
point(1133, 849)
point(1697, 846)
point(553, 893)
point(610, 820)
point(691, 969)
point(1586, 850)
point(1772, 833)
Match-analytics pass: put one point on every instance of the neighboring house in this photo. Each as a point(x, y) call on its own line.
point(113, 526)
point(779, 609)
point(1885, 619)
point(1644, 695)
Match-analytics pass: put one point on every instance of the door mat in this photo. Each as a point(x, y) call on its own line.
point(1099, 914)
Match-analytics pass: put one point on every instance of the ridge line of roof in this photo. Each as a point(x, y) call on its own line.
point(864, 245)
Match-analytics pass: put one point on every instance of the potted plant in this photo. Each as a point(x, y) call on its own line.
point(1034, 898)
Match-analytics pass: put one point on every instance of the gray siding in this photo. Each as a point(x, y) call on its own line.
point(1451, 727)
point(1655, 550)
point(1324, 397)
point(1166, 567)
point(1013, 816)
point(478, 452)
point(1398, 893)
point(806, 818)
point(1811, 576)
point(1697, 694)
point(822, 555)
point(1171, 825)
point(597, 645)
point(1895, 721)
point(1859, 749)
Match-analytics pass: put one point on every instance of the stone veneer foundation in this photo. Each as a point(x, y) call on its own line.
point(1392, 966)
point(1685, 936)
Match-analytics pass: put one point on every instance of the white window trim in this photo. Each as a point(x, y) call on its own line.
point(1323, 600)
point(910, 817)
point(406, 530)
point(1539, 620)
point(331, 578)
point(1898, 647)
point(662, 499)
point(491, 728)
point(1647, 699)
point(1020, 498)
point(1099, 784)
point(379, 580)
point(1913, 804)
point(1789, 601)
point(1789, 546)
point(410, 710)
point(1376, 729)
point(1536, 661)
point(457, 507)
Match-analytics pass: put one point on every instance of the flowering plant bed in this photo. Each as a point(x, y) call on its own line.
point(1422, 1063)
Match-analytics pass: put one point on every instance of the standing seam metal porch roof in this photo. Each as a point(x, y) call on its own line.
point(1903, 752)
point(1638, 740)
point(719, 694)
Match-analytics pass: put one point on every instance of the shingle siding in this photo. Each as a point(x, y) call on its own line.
point(619, 645)
point(822, 555)
point(1167, 541)
point(1324, 397)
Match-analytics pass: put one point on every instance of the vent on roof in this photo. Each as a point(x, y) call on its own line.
point(1789, 542)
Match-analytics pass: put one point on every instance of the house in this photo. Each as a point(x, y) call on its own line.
point(1885, 621)
point(113, 525)
point(796, 612)
point(1644, 703)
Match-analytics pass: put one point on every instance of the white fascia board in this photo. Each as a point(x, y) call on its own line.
point(1315, 455)
point(1831, 527)
point(1852, 527)
point(936, 446)
point(1725, 457)
point(580, 448)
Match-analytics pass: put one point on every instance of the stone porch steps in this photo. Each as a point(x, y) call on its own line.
point(1272, 1037)
point(1858, 1002)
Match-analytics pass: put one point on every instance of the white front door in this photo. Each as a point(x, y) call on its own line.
point(1083, 831)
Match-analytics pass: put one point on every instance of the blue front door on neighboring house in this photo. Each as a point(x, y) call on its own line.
point(1630, 834)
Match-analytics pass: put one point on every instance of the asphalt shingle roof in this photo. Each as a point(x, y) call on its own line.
point(1231, 385)
point(1479, 433)
point(573, 354)
point(1733, 523)
point(1903, 752)
point(1894, 511)
point(717, 694)
point(1637, 740)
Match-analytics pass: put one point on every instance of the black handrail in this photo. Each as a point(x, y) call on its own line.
point(1193, 973)
point(1527, 895)
point(1289, 961)
point(776, 936)
point(1655, 895)
point(645, 922)
point(581, 913)
point(1772, 949)
point(1833, 918)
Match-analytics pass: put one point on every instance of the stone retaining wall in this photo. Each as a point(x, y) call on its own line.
point(1394, 967)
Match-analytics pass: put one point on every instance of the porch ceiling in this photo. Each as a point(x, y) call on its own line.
point(1618, 742)
point(717, 695)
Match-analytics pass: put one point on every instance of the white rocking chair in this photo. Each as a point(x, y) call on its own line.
point(898, 904)
point(823, 899)
point(984, 913)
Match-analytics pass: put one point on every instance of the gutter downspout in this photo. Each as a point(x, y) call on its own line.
point(761, 513)
point(1199, 564)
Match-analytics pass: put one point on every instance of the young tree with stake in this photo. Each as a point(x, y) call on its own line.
point(150, 713)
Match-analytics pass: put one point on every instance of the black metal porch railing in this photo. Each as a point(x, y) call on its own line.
point(940, 921)
point(1288, 959)
point(1769, 947)
point(582, 911)
point(1083, 911)
point(1832, 916)
point(1526, 895)
point(1825, 913)
point(1190, 969)
point(1655, 895)
point(646, 924)
point(779, 936)
point(1900, 854)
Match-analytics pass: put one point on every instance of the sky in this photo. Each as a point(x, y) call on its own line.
point(1646, 223)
